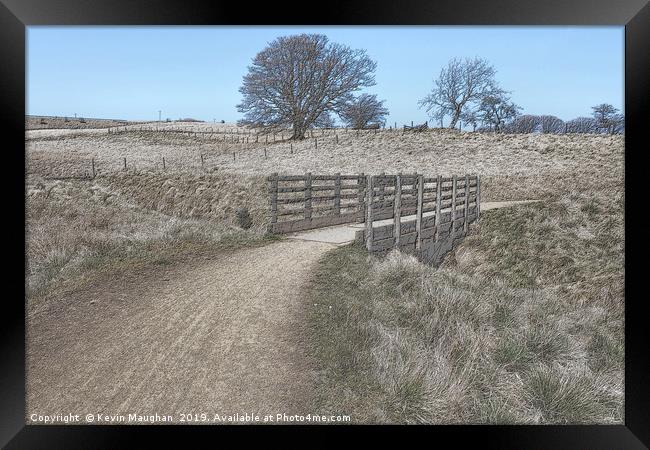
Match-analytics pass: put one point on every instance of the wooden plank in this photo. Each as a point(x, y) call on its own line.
point(337, 194)
point(316, 222)
point(418, 214)
point(308, 196)
point(397, 214)
point(369, 212)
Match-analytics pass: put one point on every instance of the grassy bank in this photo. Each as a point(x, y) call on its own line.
point(522, 324)
point(78, 231)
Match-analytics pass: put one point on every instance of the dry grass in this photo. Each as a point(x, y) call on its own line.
point(433, 152)
point(77, 229)
point(522, 324)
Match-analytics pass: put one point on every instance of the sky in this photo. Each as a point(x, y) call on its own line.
point(132, 73)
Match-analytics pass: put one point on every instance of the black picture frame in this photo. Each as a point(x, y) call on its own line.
point(16, 15)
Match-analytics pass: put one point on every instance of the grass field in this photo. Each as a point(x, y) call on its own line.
point(523, 323)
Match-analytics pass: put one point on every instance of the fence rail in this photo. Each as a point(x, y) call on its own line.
point(404, 218)
point(303, 202)
point(411, 212)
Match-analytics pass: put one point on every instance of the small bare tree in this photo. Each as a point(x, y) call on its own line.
point(496, 109)
point(364, 111)
point(296, 79)
point(607, 117)
point(461, 85)
point(582, 125)
point(527, 123)
point(551, 124)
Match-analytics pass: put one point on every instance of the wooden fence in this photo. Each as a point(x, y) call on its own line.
point(411, 212)
point(304, 202)
point(419, 214)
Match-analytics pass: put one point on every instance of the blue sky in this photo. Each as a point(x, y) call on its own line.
point(132, 72)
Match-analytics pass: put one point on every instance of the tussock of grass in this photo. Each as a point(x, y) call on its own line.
point(522, 325)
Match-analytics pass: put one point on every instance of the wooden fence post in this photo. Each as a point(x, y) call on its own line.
point(308, 196)
point(382, 186)
point(316, 143)
point(453, 207)
point(273, 191)
point(466, 210)
point(438, 202)
point(397, 210)
point(92, 162)
point(265, 152)
point(202, 163)
point(291, 147)
point(369, 195)
point(478, 196)
point(361, 197)
point(418, 217)
point(124, 163)
point(233, 156)
point(337, 194)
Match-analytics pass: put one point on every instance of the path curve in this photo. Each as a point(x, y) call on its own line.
point(227, 337)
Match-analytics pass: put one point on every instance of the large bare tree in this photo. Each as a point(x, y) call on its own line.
point(296, 80)
point(460, 86)
point(364, 111)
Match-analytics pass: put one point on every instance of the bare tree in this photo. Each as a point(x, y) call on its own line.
point(527, 123)
point(617, 124)
point(582, 125)
point(296, 79)
point(364, 111)
point(551, 124)
point(496, 109)
point(607, 118)
point(460, 86)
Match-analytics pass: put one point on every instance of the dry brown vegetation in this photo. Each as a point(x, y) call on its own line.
point(79, 229)
point(523, 323)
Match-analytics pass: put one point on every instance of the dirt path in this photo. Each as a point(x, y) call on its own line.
point(224, 338)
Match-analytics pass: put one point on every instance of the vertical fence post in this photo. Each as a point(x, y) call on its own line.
point(308, 196)
point(361, 197)
point(273, 198)
point(337, 195)
point(466, 209)
point(369, 218)
point(163, 163)
point(418, 217)
point(233, 156)
point(124, 163)
point(453, 206)
point(202, 162)
point(397, 210)
point(92, 161)
point(382, 186)
point(336, 137)
point(478, 196)
point(316, 143)
point(438, 205)
point(291, 147)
